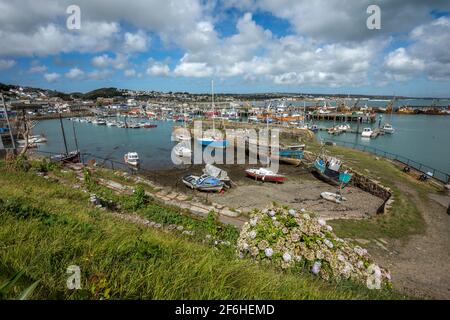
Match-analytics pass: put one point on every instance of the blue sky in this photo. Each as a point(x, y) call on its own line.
point(245, 46)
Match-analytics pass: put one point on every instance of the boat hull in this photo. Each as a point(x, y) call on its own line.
point(266, 178)
point(190, 182)
point(219, 144)
point(330, 176)
point(74, 157)
point(291, 161)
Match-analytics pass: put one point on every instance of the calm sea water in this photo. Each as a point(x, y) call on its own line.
point(153, 145)
point(423, 138)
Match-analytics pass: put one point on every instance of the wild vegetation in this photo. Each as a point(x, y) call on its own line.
point(46, 226)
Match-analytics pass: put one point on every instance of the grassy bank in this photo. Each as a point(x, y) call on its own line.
point(404, 218)
point(46, 227)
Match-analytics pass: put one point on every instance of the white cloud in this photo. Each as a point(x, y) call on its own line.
point(31, 28)
point(158, 69)
point(337, 20)
point(428, 53)
point(98, 74)
point(103, 61)
point(130, 73)
point(135, 42)
point(6, 64)
point(193, 69)
point(255, 53)
point(401, 66)
point(51, 77)
point(75, 73)
point(54, 39)
point(37, 69)
point(327, 42)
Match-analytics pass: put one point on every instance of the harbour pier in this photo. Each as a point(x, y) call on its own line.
point(343, 117)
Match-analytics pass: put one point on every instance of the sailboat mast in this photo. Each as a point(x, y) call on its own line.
point(212, 98)
point(75, 136)
point(64, 135)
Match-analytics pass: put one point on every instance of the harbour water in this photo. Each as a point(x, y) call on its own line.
point(101, 142)
point(422, 138)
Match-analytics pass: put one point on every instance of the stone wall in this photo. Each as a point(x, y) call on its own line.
point(373, 187)
point(366, 184)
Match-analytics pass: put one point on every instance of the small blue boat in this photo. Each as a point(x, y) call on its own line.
point(214, 143)
point(203, 183)
point(329, 171)
point(314, 128)
point(292, 156)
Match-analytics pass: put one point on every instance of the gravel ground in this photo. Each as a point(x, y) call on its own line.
point(301, 190)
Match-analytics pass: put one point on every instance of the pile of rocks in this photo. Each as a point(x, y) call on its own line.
point(287, 238)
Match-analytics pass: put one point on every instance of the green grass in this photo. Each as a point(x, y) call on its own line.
point(46, 227)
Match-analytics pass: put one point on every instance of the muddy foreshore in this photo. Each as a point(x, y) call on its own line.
point(301, 191)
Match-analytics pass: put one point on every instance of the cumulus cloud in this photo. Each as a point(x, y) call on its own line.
point(193, 69)
point(158, 69)
point(54, 39)
point(104, 61)
point(51, 77)
point(31, 28)
point(428, 53)
point(326, 43)
point(255, 53)
point(37, 69)
point(336, 20)
point(98, 74)
point(130, 73)
point(135, 42)
point(75, 73)
point(7, 64)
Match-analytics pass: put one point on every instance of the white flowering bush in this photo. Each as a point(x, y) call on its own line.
point(291, 239)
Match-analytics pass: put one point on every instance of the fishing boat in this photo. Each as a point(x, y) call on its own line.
point(67, 157)
point(292, 155)
point(265, 175)
point(182, 150)
point(71, 157)
point(99, 122)
point(333, 197)
point(328, 169)
point(148, 125)
point(218, 173)
point(367, 133)
point(344, 127)
point(132, 158)
point(314, 128)
point(388, 128)
point(334, 131)
point(181, 137)
point(213, 141)
point(133, 126)
point(203, 183)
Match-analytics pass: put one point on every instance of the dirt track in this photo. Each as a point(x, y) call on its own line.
point(421, 265)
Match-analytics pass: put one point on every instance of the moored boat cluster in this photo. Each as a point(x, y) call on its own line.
point(287, 238)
